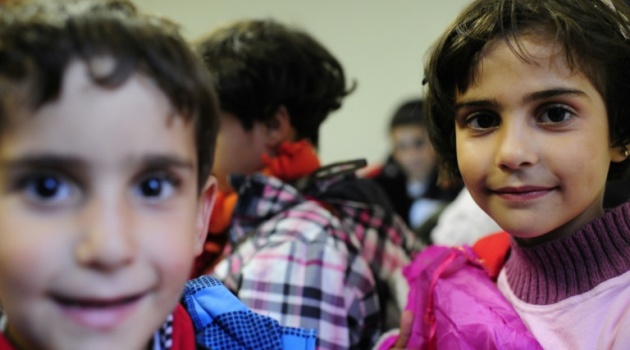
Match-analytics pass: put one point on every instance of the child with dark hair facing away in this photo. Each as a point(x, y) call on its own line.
point(528, 103)
point(310, 246)
point(107, 129)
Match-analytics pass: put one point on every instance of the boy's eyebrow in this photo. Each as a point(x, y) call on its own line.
point(534, 96)
point(48, 161)
point(164, 161)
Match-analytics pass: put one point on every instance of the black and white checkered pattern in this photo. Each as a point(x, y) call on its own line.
point(165, 335)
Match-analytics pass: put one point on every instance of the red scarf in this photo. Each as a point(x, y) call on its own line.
point(293, 161)
point(183, 330)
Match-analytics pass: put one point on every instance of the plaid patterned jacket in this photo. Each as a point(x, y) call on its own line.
point(292, 259)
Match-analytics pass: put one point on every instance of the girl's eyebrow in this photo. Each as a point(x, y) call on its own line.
point(531, 97)
point(545, 94)
point(476, 103)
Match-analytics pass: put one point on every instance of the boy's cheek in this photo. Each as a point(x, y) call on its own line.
point(17, 240)
point(172, 243)
point(24, 267)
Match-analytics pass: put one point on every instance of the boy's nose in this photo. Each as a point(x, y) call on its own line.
point(516, 147)
point(106, 241)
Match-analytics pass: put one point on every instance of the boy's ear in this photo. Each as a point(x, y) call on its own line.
point(204, 210)
point(619, 154)
point(279, 128)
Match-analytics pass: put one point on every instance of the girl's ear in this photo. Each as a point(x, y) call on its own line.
point(619, 153)
point(207, 197)
point(279, 128)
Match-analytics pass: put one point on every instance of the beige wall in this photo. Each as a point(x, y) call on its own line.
point(380, 43)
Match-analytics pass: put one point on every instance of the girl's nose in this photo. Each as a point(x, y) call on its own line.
point(516, 146)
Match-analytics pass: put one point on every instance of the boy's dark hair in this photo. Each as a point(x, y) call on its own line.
point(260, 65)
point(409, 113)
point(39, 39)
point(592, 33)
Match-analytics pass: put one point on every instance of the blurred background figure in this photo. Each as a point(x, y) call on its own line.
point(461, 222)
point(410, 175)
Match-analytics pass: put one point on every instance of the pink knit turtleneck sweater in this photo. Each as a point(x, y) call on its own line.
point(553, 271)
point(574, 292)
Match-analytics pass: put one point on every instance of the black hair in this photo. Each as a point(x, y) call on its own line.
point(260, 65)
point(592, 33)
point(39, 39)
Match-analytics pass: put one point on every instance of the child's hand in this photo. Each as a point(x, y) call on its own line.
point(406, 321)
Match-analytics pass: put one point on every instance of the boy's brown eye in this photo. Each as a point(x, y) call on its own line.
point(47, 187)
point(159, 186)
point(151, 187)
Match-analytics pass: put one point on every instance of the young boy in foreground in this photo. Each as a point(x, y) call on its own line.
point(107, 130)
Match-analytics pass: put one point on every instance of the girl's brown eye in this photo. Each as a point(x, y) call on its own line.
point(555, 114)
point(482, 121)
point(485, 121)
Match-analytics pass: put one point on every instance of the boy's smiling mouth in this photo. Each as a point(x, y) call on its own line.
point(98, 313)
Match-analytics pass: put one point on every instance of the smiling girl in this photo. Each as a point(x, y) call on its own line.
point(528, 104)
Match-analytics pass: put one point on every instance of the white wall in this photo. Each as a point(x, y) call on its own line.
point(381, 44)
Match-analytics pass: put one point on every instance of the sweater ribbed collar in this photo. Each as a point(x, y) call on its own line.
point(553, 271)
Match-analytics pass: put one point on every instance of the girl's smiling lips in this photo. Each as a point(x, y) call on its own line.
point(97, 313)
point(522, 193)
